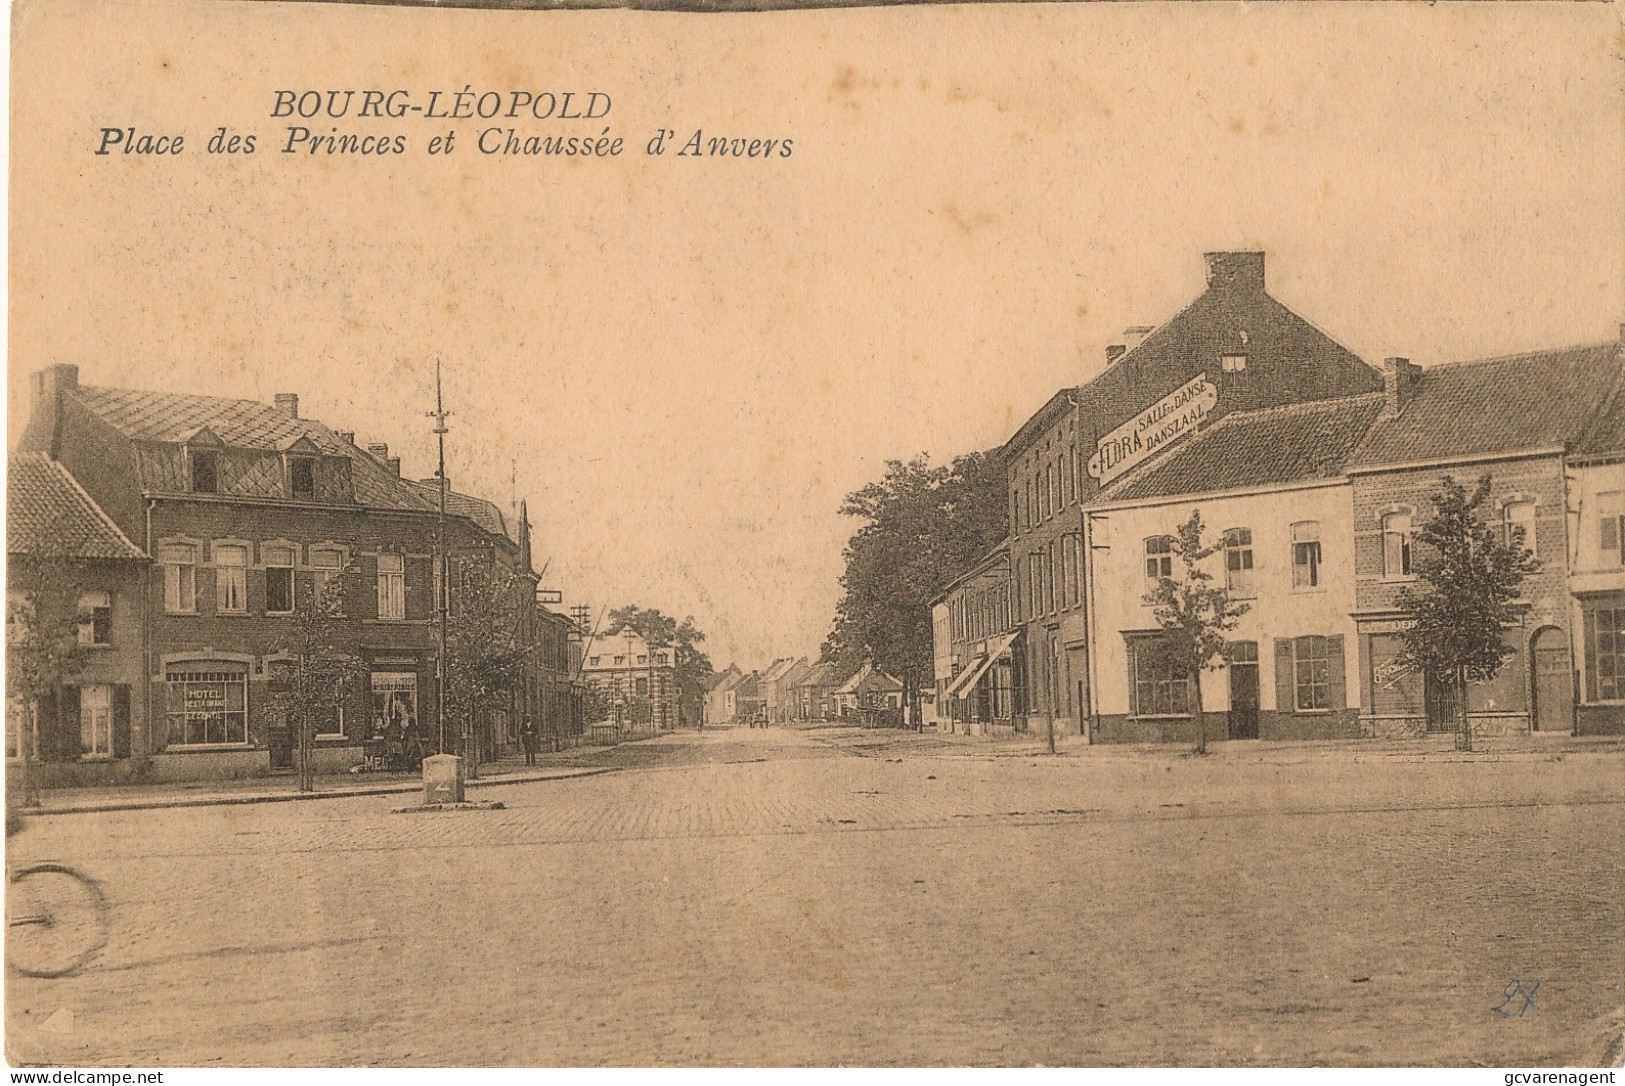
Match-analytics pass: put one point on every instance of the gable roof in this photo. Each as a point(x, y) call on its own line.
point(1245, 449)
point(48, 512)
point(1566, 398)
point(1235, 314)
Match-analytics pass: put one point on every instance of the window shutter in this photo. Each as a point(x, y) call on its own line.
point(66, 732)
point(255, 584)
point(1286, 698)
point(121, 721)
point(46, 717)
point(420, 587)
point(368, 589)
point(1336, 682)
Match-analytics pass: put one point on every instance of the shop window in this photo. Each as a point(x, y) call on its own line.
point(391, 586)
point(207, 704)
point(180, 577)
point(278, 579)
point(96, 618)
point(1159, 560)
point(1396, 545)
point(230, 579)
point(1605, 650)
point(96, 721)
point(1238, 562)
point(1161, 685)
point(394, 704)
point(205, 472)
point(1306, 554)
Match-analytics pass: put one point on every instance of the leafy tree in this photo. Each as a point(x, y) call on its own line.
point(486, 645)
point(318, 670)
point(1194, 615)
point(922, 527)
point(691, 667)
point(1470, 576)
point(42, 646)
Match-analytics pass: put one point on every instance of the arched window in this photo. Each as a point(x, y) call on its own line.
point(1396, 544)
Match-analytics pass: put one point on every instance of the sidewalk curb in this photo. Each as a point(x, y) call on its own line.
point(292, 797)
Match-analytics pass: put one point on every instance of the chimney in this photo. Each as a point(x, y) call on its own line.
point(1133, 337)
point(1399, 380)
point(393, 463)
point(1114, 352)
point(1243, 271)
point(288, 404)
point(379, 451)
point(53, 380)
point(346, 436)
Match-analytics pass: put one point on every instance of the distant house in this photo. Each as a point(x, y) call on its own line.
point(59, 540)
point(746, 698)
point(815, 693)
point(778, 688)
point(637, 681)
point(869, 688)
point(718, 707)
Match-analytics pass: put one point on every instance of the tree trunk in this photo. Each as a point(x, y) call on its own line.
point(307, 765)
point(28, 742)
point(1464, 738)
point(1196, 709)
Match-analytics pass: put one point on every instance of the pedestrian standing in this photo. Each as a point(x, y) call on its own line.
point(527, 739)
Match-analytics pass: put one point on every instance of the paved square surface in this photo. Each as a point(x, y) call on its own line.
point(824, 897)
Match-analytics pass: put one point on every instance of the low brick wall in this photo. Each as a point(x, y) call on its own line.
point(210, 765)
point(1599, 720)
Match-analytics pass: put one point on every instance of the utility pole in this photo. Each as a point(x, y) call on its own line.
point(440, 414)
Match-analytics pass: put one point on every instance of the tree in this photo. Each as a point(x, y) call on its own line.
point(317, 670)
point(1470, 576)
point(691, 667)
point(486, 647)
point(922, 527)
point(1194, 615)
point(42, 646)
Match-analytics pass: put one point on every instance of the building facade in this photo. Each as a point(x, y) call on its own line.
point(977, 650)
point(637, 683)
point(247, 509)
point(1234, 348)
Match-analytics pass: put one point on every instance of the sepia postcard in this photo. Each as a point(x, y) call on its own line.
point(768, 535)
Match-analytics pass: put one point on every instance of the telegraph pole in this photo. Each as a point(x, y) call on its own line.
point(440, 414)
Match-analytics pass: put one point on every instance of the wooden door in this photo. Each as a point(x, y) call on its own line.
point(1554, 682)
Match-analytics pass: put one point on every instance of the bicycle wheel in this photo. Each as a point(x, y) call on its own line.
point(56, 920)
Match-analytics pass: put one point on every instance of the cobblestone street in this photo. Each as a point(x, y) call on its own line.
point(825, 896)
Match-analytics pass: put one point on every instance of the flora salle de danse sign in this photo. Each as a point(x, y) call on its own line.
point(1170, 418)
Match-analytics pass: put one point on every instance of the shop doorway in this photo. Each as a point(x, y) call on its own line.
point(1554, 682)
point(1440, 702)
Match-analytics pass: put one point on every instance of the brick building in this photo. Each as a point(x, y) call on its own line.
point(637, 683)
point(58, 541)
point(1233, 348)
point(246, 507)
point(1548, 429)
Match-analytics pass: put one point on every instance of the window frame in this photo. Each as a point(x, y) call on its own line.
point(269, 551)
point(1163, 558)
point(180, 577)
point(391, 587)
point(95, 629)
point(307, 466)
point(230, 579)
point(1162, 686)
point(203, 464)
point(1400, 553)
point(1301, 659)
point(1306, 574)
point(102, 729)
point(225, 673)
point(1239, 559)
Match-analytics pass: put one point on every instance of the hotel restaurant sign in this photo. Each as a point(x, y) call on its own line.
point(1164, 422)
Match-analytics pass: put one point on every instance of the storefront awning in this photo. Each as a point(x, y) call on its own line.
point(968, 678)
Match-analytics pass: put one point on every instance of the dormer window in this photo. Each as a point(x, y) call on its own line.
point(205, 472)
point(302, 476)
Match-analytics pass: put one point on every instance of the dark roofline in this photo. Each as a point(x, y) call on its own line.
point(1040, 421)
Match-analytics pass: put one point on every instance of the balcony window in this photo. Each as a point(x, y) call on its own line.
point(1306, 554)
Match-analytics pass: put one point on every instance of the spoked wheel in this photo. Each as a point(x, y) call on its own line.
point(56, 920)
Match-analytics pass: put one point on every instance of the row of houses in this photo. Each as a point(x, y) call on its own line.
point(794, 691)
point(190, 525)
point(1311, 470)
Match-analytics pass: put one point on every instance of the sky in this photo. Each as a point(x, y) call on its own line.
point(685, 363)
